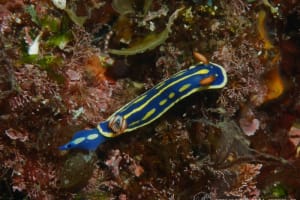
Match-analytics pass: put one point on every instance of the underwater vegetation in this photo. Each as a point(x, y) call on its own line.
point(66, 66)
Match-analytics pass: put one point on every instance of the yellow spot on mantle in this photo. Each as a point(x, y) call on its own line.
point(149, 113)
point(163, 102)
point(134, 123)
point(171, 95)
point(184, 87)
point(203, 71)
point(79, 140)
point(92, 136)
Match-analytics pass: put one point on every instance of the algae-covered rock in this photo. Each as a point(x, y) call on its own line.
point(77, 170)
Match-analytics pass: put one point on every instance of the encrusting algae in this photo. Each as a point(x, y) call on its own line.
point(68, 65)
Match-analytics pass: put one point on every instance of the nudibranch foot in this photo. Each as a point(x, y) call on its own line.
point(85, 139)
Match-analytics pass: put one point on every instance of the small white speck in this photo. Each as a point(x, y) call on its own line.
point(259, 53)
point(78, 112)
point(34, 47)
point(61, 4)
point(152, 26)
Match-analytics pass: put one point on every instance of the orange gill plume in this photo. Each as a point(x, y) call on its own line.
point(275, 84)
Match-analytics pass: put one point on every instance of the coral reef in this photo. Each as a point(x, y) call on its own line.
point(67, 65)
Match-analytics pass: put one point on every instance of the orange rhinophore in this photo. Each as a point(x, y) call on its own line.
point(200, 57)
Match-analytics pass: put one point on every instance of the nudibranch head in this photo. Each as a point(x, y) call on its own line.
point(85, 139)
point(216, 78)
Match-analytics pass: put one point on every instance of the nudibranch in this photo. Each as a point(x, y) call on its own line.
point(151, 105)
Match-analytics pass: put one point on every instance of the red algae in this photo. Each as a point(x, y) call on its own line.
point(238, 142)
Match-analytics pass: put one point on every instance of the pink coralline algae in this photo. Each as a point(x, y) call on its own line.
point(26, 172)
point(8, 14)
point(294, 138)
point(114, 163)
point(245, 185)
point(34, 86)
point(249, 126)
point(238, 62)
point(248, 123)
point(16, 135)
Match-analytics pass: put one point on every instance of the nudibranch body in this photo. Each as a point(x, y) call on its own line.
point(152, 104)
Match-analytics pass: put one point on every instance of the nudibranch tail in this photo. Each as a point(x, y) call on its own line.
point(85, 139)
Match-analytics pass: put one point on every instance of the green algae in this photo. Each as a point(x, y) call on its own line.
point(76, 19)
point(50, 23)
point(32, 12)
point(150, 42)
point(275, 191)
point(60, 40)
point(123, 7)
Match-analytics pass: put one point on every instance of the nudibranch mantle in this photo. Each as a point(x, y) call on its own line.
point(152, 104)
